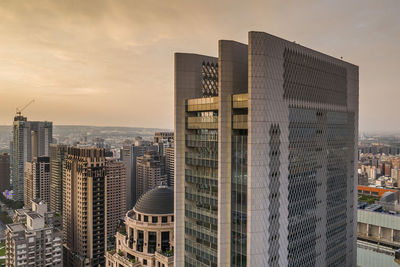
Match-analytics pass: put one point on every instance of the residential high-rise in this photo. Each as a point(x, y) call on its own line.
point(4, 172)
point(84, 201)
point(169, 165)
point(37, 180)
point(33, 239)
point(129, 154)
point(147, 236)
point(149, 172)
point(163, 140)
point(163, 136)
point(116, 197)
point(57, 157)
point(24, 132)
point(265, 156)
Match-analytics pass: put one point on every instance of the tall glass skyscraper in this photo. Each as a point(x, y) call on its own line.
point(265, 156)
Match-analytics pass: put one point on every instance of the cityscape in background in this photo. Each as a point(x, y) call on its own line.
point(274, 155)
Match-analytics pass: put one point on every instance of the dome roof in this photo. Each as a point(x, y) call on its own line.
point(159, 200)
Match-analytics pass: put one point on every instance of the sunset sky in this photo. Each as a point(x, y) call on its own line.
point(110, 63)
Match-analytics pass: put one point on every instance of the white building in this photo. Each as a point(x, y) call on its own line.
point(33, 239)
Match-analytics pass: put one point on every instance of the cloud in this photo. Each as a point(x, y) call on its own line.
point(110, 62)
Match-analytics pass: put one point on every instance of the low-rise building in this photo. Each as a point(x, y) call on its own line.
point(33, 239)
point(379, 227)
point(147, 237)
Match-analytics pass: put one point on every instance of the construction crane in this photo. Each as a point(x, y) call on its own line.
point(19, 110)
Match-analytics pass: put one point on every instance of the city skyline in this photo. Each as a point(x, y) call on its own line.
point(72, 56)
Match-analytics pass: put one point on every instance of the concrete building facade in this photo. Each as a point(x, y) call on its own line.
point(4, 172)
point(265, 156)
point(23, 151)
point(37, 180)
point(33, 239)
point(116, 197)
point(129, 154)
point(57, 156)
point(84, 207)
point(150, 172)
point(378, 227)
point(169, 165)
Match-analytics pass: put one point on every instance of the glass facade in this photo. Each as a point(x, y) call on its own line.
point(201, 182)
point(239, 181)
point(239, 200)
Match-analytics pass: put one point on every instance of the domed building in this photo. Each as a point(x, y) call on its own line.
point(146, 238)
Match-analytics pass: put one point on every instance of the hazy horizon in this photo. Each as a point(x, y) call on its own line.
point(108, 63)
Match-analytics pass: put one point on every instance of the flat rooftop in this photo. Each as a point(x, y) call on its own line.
point(16, 227)
point(33, 215)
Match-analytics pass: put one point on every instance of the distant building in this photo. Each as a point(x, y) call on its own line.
point(161, 136)
point(163, 140)
point(84, 204)
point(4, 172)
point(169, 165)
point(149, 172)
point(129, 153)
point(147, 238)
point(57, 156)
point(30, 138)
point(116, 197)
point(34, 239)
point(373, 191)
point(362, 179)
point(388, 169)
point(37, 180)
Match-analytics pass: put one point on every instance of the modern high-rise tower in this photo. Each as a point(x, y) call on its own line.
point(265, 156)
point(150, 172)
point(30, 138)
point(58, 153)
point(169, 165)
point(84, 200)
point(129, 154)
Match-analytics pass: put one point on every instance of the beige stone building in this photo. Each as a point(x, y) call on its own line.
point(150, 172)
point(147, 238)
point(57, 156)
point(84, 203)
point(169, 165)
point(116, 197)
point(34, 238)
point(37, 180)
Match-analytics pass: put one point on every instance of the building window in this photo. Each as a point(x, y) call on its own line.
point(164, 219)
point(146, 218)
point(140, 239)
point(152, 242)
point(172, 218)
point(154, 219)
point(164, 241)
point(139, 217)
point(144, 262)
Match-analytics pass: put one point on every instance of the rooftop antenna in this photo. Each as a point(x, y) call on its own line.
point(19, 110)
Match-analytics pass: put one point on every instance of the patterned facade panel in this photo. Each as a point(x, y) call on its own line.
point(309, 97)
